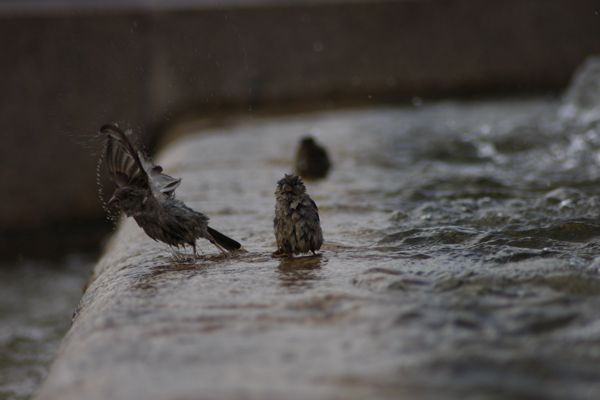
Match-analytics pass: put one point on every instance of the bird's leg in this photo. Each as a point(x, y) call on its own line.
point(173, 251)
point(213, 241)
point(221, 248)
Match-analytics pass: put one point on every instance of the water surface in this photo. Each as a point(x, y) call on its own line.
point(469, 228)
point(37, 300)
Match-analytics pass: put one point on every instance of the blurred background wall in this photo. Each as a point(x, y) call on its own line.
point(67, 67)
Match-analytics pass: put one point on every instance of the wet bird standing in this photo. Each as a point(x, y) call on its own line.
point(297, 226)
point(146, 194)
point(312, 161)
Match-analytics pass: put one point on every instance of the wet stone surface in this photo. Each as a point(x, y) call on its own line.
point(460, 262)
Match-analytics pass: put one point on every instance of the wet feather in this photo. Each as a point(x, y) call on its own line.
point(296, 225)
point(145, 193)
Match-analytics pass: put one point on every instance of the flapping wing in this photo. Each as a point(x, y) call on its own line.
point(122, 160)
point(161, 182)
point(128, 166)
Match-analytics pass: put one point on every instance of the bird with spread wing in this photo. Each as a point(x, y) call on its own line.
point(144, 192)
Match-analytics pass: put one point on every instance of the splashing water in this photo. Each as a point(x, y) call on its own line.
point(101, 196)
point(471, 226)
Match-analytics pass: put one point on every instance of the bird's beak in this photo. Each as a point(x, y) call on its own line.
point(113, 201)
point(286, 188)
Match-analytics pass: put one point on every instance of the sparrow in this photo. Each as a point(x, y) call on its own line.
point(312, 161)
point(297, 226)
point(144, 192)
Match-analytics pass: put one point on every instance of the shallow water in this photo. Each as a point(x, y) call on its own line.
point(37, 300)
point(461, 255)
point(471, 226)
point(476, 222)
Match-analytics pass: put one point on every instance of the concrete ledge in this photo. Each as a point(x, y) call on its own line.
point(243, 327)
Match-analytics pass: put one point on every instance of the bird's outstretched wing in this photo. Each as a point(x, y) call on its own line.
point(158, 181)
point(128, 166)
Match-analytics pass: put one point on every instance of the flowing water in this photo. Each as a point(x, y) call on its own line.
point(37, 299)
point(464, 236)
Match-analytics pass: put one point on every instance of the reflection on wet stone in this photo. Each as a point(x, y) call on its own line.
point(300, 272)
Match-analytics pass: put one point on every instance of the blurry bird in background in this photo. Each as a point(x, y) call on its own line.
point(297, 226)
point(146, 194)
point(312, 161)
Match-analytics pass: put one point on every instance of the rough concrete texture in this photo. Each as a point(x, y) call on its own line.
point(151, 328)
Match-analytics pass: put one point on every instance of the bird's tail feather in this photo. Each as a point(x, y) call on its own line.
point(225, 241)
